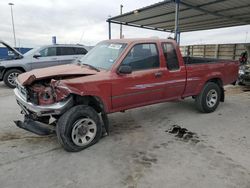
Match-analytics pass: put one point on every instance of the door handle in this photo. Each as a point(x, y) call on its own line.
point(158, 74)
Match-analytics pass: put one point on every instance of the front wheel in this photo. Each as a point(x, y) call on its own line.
point(10, 77)
point(79, 128)
point(209, 98)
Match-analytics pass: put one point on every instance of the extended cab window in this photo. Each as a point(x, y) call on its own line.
point(51, 51)
point(170, 56)
point(142, 56)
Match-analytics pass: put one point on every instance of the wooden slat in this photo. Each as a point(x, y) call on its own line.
point(221, 51)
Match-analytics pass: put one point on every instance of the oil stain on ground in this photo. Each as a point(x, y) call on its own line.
point(183, 134)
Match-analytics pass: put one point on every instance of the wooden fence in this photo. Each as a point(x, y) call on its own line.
point(221, 51)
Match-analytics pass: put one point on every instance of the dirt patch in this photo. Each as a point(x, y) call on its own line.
point(232, 90)
point(9, 136)
point(142, 160)
point(183, 134)
point(123, 126)
point(5, 91)
point(246, 89)
point(14, 136)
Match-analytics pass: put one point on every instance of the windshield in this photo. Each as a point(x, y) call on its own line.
point(32, 51)
point(103, 55)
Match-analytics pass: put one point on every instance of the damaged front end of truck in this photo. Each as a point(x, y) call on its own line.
point(41, 103)
point(43, 96)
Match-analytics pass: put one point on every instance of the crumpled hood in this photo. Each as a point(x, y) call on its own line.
point(61, 71)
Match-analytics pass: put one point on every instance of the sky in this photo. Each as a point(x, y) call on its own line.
point(84, 21)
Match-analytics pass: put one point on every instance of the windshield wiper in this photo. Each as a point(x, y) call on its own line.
point(91, 66)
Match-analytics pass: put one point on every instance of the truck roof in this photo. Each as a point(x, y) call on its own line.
point(140, 40)
point(64, 45)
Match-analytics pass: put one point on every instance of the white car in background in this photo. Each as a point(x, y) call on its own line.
point(44, 56)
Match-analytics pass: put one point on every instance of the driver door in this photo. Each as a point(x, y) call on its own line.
point(144, 84)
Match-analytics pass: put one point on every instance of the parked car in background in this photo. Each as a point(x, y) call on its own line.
point(116, 75)
point(44, 56)
point(244, 71)
point(244, 74)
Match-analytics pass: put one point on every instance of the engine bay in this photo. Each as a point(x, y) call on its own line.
point(41, 93)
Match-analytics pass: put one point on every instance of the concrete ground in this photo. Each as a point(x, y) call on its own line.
point(139, 152)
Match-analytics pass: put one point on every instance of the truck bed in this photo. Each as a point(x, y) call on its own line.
point(201, 60)
point(199, 70)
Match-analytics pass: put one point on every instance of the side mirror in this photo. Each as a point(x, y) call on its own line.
point(37, 55)
point(125, 69)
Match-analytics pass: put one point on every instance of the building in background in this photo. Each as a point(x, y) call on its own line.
point(220, 51)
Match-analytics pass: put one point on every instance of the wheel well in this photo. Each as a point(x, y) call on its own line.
point(219, 82)
point(93, 101)
point(19, 68)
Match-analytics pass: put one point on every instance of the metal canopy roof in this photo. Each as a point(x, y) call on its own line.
point(193, 15)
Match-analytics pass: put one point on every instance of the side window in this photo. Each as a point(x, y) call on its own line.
point(66, 51)
point(51, 51)
point(170, 56)
point(80, 51)
point(44, 52)
point(142, 56)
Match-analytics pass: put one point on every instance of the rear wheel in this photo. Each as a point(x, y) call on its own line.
point(209, 98)
point(10, 77)
point(79, 128)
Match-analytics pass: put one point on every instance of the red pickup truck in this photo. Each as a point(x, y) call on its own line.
point(117, 75)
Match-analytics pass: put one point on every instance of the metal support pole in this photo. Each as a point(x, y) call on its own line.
point(178, 37)
point(121, 24)
point(13, 27)
point(109, 30)
point(177, 32)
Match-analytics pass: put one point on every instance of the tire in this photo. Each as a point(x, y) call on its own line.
point(9, 77)
point(79, 128)
point(209, 98)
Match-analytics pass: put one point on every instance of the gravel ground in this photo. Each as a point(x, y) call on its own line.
point(141, 150)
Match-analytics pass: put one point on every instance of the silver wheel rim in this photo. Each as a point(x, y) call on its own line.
point(83, 132)
point(12, 78)
point(212, 98)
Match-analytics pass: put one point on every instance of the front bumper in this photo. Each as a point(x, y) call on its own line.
point(46, 110)
point(35, 126)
